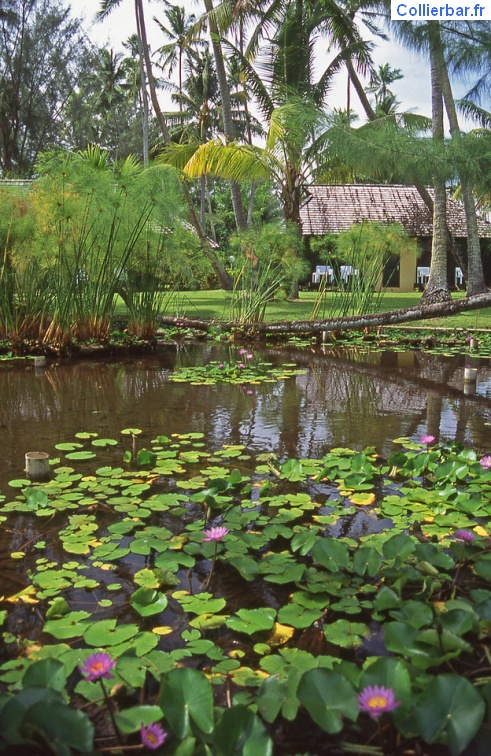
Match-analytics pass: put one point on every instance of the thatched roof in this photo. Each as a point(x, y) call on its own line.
point(332, 209)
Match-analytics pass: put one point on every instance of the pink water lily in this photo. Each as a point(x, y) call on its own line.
point(97, 665)
point(465, 535)
point(375, 700)
point(427, 439)
point(216, 533)
point(152, 735)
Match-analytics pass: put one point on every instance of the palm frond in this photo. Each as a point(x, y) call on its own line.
point(106, 7)
point(233, 162)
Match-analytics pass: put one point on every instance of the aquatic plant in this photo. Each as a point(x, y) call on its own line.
point(254, 288)
point(97, 665)
point(376, 700)
point(245, 370)
point(311, 608)
point(152, 736)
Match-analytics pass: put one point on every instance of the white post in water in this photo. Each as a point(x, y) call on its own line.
point(470, 375)
point(37, 465)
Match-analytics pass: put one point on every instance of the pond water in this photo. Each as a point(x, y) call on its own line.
point(343, 398)
point(347, 397)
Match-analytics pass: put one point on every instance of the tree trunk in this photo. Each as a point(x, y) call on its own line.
point(225, 279)
point(475, 282)
point(422, 190)
point(228, 128)
point(437, 287)
point(143, 92)
point(356, 322)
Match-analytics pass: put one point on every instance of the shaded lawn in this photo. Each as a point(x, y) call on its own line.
point(215, 305)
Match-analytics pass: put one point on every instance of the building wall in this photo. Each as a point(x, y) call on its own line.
point(407, 275)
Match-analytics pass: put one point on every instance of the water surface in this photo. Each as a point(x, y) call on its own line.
point(347, 397)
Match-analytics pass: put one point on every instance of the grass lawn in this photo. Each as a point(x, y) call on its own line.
point(215, 305)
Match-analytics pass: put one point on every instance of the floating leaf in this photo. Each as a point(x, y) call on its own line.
point(80, 456)
point(107, 633)
point(148, 602)
point(328, 697)
point(450, 705)
point(252, 620)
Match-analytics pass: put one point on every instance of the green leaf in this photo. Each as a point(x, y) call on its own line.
point(36, 498)
point(186, 696)
point(105, 633)
point(68, 446)
point(147, 601)
point(48, 673)
point(450, 706)
point(60, 724)
point(241, 732)
point(80, 456)
point(69, 626)
point(145, 457)
point(398, 547)
point(367, 560)
point(331, 554)
point(251, 621)
point(298, 616)
point(346, 634)
point(130, 720)
point(328, 697)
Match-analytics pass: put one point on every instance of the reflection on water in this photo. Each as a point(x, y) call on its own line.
point(346, 398)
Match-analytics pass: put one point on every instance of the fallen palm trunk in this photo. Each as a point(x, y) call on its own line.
point(353, 322)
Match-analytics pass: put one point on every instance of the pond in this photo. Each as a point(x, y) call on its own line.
point(331, 551)
point(347, 397)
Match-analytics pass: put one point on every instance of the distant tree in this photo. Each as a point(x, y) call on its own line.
point(107, 107)
point(381, 78)
point(176, 28)
point(42, 52)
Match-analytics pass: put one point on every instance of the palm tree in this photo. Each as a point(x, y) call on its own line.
point(177, 30)
point(228, 128)
point(295, 151)
point(106, 7)
point(380, 80)
point(437, 39)
point(437, 287)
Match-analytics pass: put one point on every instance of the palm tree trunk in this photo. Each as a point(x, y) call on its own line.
point(143, 91)
point(475, 278)
point(203, 201)
point(437, 287)
point(422, 190)
point(228, 128)
point(225, 279)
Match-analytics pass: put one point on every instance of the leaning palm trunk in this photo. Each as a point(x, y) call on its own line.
point(226, 280)
point(437, 287)
point(228, 129)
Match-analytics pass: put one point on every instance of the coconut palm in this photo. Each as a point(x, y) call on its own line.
point(380, 80)
point(435, 38)
point(177, 29)
point(106, 7)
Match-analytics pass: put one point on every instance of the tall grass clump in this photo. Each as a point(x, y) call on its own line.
point(365, 251)
point(253, 289)
point(97, 225)
point(24, 294)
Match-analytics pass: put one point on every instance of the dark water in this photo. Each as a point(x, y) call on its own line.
point(346, 398)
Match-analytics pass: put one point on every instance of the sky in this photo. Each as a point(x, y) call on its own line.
point(413, 91)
